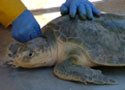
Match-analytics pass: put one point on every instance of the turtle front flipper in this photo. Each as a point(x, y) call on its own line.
point(67, 70)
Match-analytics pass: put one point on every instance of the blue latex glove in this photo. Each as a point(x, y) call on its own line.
point(83, 7)
point(25, 27)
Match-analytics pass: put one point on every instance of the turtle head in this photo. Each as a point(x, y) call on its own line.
point(35, 53)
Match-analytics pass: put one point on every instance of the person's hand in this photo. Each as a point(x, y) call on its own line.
point(84, 8)
point(25, 27)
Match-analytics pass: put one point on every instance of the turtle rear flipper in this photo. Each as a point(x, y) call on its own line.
point(67, 70)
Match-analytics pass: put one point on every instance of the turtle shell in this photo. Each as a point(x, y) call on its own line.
point(103, 38)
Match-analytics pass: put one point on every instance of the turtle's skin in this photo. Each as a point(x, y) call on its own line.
point(74, 46)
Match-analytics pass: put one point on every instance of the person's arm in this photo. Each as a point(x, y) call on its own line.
point(10, 10)
point(24, 25)
point(84, 8)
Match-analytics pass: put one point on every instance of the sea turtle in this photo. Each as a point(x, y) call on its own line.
point(74, 46)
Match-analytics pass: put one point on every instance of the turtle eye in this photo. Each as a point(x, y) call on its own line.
point(30, 53)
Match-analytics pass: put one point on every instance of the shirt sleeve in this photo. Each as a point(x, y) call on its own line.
point(10, 10)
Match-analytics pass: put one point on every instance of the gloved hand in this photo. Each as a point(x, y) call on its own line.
point(25, 27)
point(85, 9)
